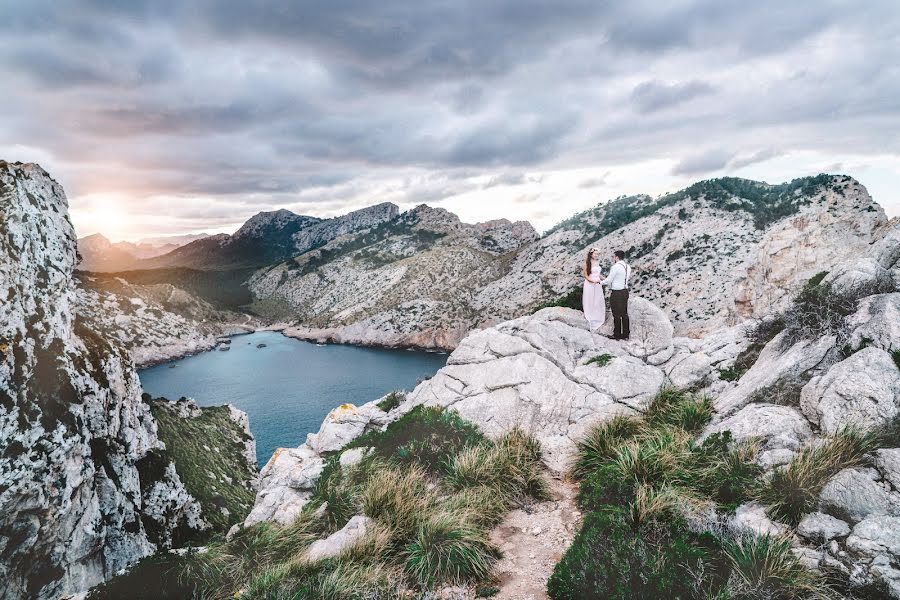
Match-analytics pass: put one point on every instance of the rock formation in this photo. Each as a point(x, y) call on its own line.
point(82, 490)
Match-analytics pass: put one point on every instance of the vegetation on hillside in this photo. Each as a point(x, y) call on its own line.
point(208, 452)
point(763, 203)
point(433, 485)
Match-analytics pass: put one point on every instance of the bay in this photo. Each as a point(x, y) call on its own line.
point(288, 386)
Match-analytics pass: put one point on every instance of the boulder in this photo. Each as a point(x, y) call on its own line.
point(854, 495)
point(343, 425)
point(862, 390)
point(688, 370)
point(860, 276)
point(876, 323)
point(777, 427)
point(878, 534)
point(339, 541)
point(750, 518)
point(286, 485)
point(887, 461)
point(822, 528)
point(651, 330)
point(353, 456)
point(774, 363)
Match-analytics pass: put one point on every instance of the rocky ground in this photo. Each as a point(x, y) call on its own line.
point(533, 539)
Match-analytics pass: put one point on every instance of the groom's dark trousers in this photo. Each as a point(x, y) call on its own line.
point(618, 303)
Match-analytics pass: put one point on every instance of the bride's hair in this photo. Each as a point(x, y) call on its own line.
point(587, 261)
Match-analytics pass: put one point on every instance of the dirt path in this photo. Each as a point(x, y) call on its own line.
point(533, 540)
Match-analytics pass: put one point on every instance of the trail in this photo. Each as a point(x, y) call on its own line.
point(533, 540)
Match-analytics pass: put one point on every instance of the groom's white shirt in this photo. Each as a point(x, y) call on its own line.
point(618, 276)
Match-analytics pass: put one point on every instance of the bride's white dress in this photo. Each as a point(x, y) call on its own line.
point(592, 299)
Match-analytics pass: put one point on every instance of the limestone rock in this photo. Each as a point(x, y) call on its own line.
point(751, 518)
point(777, 427)
point(878, 534)
point(855, 494)
point(343, 425)
point(339, 541)
point(285, 485)
point(887, 461)
point(876, 323)
point(862, 390)
point(82, 485)
point(820, 527)
point(688, 370)
point(353, 456)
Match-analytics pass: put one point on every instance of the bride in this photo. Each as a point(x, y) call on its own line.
point(592, 299)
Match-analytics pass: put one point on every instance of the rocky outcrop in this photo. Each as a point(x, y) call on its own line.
point(155, 322)
point(82, 490)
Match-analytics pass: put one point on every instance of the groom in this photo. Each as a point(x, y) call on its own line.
point(619, 275)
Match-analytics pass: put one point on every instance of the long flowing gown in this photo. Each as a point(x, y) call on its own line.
point(592, 299)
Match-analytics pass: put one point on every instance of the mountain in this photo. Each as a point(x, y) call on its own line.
point(98, 254)
point(715, 253)
point(171, 241)
point(268, 237)
point(410, 281)
point(87, 487)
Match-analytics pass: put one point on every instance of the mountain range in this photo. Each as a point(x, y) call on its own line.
point(713, 254)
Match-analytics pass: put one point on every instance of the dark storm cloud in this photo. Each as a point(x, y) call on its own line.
point(319, 102)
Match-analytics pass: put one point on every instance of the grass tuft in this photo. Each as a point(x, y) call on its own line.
point(793, 490)
point(602, 441)
point(601, 360)
point(764, 567)
point(449, 549)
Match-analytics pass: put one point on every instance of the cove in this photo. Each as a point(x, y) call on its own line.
point(289, 386)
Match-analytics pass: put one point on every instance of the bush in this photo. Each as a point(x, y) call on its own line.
point(398, 498)
point(448, 549)
point(793, 490)
point(391, 401)
point(425, 436)
point(602, 441)
point(571, 299)
point(610, 560)
point(679, 408)
point(764, 567)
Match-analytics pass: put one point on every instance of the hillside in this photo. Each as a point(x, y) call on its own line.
point(99, 254)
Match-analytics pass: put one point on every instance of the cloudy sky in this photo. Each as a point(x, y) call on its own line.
point(170, 116)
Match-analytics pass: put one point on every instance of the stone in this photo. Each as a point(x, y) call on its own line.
point(688, 370)
point(887, 461)
point(876, 323)
point(774, 363)
point(855, 494)
point(352, 533)
point(877, 534)
point(353, 456)
point(777, 427)
point(862, 390)
point(286, 485)
point(820, 527)
point(343, 425)
point(751, 518)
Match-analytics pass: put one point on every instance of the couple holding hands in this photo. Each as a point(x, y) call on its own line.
point(594, 304)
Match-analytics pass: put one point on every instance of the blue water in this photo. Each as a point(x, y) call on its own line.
point(289, 386)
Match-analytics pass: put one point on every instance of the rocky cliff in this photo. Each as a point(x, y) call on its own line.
point(85, 486)
point(155, 322)
point(787, 384)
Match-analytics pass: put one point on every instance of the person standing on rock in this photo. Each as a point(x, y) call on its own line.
point(592, 300)
point(619, 276)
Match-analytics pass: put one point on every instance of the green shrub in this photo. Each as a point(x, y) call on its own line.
point(764, 567)
point(601, 361)
point(398, 498)
point(448, 549)
point(722, 470)
point(425, 436)
point(610, 560)
point(571, 299)
point(391, 401)
point(793, 490)
point(601, 443)
point(679, 408)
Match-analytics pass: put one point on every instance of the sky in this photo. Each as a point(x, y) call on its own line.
point(171, 116)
